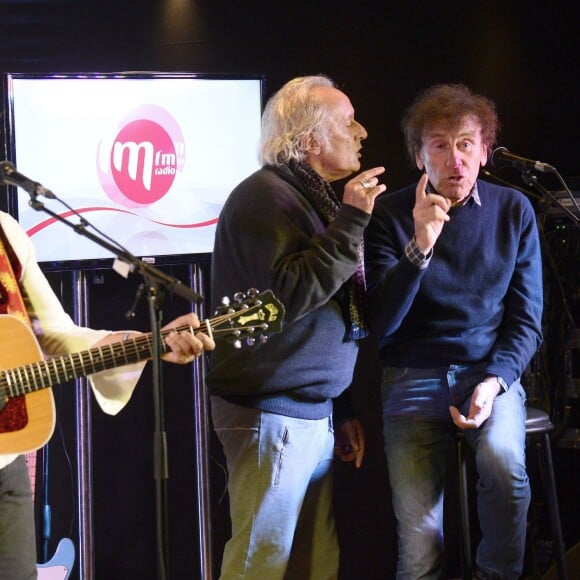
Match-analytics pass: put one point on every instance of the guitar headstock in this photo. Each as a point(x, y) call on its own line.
point(248, 318)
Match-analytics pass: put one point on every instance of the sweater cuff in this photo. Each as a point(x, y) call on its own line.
point(503, 384)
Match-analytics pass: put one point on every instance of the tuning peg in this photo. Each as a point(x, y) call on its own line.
point(237, 343)
point(263, 338)
point(250, 341)
point(239, 297)
point(252, 293)
point(225, 301)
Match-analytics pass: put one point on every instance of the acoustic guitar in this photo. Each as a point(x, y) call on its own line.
point(24, 372)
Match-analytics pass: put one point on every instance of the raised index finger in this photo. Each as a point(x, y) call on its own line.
point(420, 193)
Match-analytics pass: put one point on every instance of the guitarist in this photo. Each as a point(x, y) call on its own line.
point(25, 293)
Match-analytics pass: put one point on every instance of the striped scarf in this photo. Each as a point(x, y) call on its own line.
point(352, 295)
point(13, 416)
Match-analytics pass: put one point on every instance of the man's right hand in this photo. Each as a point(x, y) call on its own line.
point(429, 214)
point(362, 190)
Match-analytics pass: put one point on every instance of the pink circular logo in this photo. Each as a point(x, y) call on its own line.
point(143, 159)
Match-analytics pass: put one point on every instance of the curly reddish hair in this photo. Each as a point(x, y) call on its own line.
point(448, 104)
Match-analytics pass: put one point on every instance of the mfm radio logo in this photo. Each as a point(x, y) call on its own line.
point(138, 165)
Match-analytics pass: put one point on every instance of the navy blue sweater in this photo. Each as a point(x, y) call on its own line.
point(270, 237)
point(479, 299)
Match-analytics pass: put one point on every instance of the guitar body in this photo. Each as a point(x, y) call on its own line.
point(18, 347)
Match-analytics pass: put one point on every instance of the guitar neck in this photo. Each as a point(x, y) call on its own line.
point(261, 313)
point(43, 374)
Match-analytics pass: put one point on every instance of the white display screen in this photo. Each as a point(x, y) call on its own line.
point(146, 158)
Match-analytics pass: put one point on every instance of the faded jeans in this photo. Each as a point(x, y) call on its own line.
point(418, 430)
point(280, 488)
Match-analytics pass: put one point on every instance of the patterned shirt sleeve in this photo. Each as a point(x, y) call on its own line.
point(416, 256)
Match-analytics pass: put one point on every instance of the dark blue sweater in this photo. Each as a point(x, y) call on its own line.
point(270, 237)
point(479, 299)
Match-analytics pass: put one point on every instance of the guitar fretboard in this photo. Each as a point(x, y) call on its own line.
point(241, 319)
point(42, 374)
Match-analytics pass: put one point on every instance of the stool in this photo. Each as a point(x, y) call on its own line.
point(538, 427)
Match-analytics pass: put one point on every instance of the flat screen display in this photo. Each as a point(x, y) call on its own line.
point(146, 158)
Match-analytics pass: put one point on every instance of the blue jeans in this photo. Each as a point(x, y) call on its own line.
point(418, 431)
point(280, 488)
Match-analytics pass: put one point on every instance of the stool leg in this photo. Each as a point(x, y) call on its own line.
point(464, 511)
point(547, 474)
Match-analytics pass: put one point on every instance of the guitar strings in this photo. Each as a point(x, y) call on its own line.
point(42, 374)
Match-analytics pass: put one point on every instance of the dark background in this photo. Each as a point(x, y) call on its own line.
point(523, 55)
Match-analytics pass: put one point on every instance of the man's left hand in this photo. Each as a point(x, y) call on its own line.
point(349, 441)
point(480, 405)
point(184, 346)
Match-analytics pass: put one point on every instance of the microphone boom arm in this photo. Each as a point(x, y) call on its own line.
point(531, 180)
point(149, 272)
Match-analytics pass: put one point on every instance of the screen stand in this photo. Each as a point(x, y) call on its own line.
point(202, 430)
point(86, 558)
point(84, 446)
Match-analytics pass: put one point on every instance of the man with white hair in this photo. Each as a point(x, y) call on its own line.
point(284, 228)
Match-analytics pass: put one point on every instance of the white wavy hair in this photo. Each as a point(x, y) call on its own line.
point(291, 115)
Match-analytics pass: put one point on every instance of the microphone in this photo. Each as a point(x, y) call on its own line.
point(9, 176)
point(501, 157)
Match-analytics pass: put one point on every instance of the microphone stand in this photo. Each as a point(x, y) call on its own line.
point(156, 282)
point(531, 180)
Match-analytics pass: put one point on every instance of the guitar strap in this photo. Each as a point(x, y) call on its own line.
point(13, 416)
